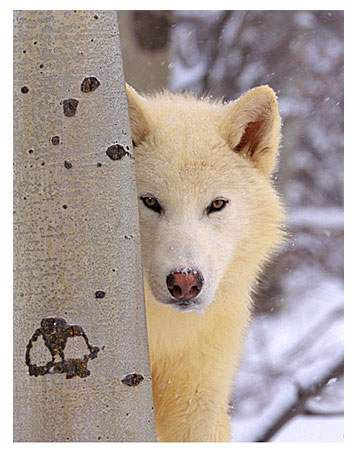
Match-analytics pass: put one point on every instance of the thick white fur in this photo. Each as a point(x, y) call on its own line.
point(189, 152)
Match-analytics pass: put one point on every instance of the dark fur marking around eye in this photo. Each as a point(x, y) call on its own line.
point(215, 207)
point(152, 203)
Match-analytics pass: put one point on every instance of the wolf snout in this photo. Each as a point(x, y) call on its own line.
point(185, 285)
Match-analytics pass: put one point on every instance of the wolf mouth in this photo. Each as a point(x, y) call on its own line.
point(186, 306)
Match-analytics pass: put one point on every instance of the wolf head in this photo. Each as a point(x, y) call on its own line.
point(207, 205)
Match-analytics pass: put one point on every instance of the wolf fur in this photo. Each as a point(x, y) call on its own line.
point(188, 152)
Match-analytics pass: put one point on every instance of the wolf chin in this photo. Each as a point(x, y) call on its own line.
point(209, 221)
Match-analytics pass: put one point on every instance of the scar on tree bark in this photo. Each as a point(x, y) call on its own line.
point(55, 333)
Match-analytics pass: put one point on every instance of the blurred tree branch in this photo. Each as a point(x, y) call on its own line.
point(311, 336)
point(152, 29)
point(299, 406)
point(214, 51)
point(325, 414)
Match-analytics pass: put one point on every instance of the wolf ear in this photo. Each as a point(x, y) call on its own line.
point(138, 117)
point(252, 127)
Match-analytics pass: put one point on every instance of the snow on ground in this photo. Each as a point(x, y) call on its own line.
point(292, 348)
point(312, 429)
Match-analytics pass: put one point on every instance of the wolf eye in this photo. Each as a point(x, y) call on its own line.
point(217, 205)
point(152, 203)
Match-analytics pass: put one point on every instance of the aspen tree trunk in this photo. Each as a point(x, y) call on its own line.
point(77, 252)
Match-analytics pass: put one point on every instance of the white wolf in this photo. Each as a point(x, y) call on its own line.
point(209, 218)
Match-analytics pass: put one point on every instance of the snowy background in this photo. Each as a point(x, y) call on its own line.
point(290, 384)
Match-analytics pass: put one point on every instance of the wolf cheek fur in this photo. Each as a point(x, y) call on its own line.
point(207, 207)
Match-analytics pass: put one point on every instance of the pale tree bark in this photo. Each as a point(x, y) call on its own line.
point(86, 375)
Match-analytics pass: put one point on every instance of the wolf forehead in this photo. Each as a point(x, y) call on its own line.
point(196, 178)
point(183, 115)
point(183, 126)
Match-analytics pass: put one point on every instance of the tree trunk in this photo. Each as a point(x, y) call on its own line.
point(78, 298)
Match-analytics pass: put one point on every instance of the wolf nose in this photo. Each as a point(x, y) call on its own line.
point(184, 285)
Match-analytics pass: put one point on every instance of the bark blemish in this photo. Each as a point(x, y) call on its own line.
point(90, 84)
point(70, 107)
point(116, 152)
point(55, 140)
point(55, 332)
point(132, 379)
point(67, 164)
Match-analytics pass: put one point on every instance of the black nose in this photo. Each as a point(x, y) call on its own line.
point(185, 285)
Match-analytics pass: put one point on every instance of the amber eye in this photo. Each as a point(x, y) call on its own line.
point(152, 203)
point(217, 205)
